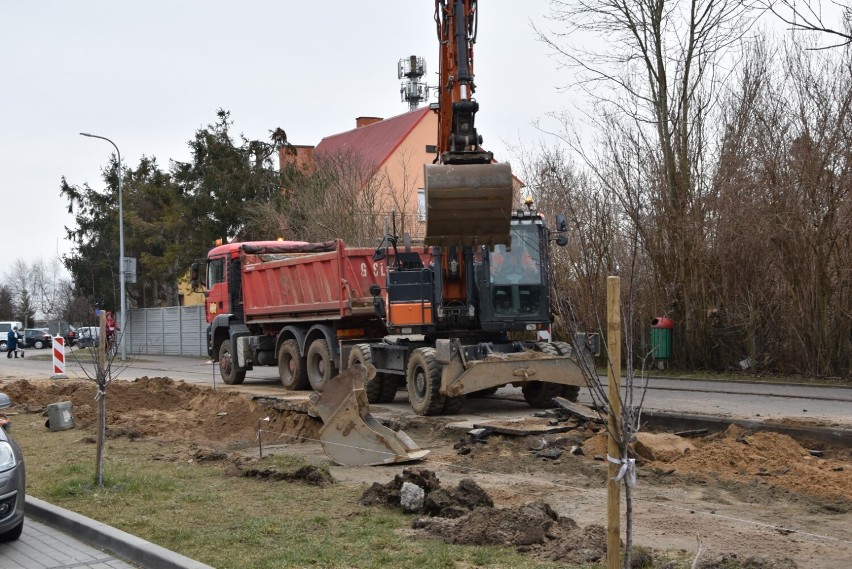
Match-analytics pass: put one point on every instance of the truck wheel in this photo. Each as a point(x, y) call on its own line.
point(424, 382)
point(380, 389)
point(291, 366)
point(227, 365)
point(320, 364)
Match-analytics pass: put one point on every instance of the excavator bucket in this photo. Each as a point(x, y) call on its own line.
point(468, 204)
point(350, 436)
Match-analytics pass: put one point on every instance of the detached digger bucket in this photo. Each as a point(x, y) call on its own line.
point(468, 204)
point(350, 436)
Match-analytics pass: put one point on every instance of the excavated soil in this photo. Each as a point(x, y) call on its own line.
point(759, 499)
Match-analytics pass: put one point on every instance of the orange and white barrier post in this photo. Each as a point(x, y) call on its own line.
point(59, 358)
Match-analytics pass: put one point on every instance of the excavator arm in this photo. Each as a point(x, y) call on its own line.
point(468, 196)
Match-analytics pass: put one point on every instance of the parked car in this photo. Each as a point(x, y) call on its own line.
point(37, 338)
point(87, 336)
point(13, 479)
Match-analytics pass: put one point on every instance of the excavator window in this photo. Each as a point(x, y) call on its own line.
point(515, 275)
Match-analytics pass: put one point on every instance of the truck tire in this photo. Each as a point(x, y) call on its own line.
point(227, 365)
point(423, 377)
point(380, 389)
point(320, 364)
point(291, 366)
point(569, 392)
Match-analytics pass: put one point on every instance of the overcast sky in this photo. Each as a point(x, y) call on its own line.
point(148, 74)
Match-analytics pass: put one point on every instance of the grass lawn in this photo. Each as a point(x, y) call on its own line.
point(156, 491)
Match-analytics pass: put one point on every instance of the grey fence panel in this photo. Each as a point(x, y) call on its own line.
point(171, 331)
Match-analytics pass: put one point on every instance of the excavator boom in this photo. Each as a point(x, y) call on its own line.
point(468, 197)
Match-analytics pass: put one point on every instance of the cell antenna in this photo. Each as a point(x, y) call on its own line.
point(412, 90)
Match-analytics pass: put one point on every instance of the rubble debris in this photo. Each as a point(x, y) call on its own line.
point(411, 497)
point(664, 447)
point(578, 410)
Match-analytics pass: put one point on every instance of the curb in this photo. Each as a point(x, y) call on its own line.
point(120, 543)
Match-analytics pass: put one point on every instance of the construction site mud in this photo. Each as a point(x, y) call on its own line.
point(759, 495)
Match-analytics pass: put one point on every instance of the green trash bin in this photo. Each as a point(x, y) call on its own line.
point(661, 338)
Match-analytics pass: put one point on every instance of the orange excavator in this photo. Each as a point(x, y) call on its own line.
point(468, 195)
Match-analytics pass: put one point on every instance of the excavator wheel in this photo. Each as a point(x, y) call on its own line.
point(227, 365)
point(320, 364)
point(453, 405)
point(382, 387)
point(424, 382)
point(569, 392)
point(540, 394)
point(291, 366)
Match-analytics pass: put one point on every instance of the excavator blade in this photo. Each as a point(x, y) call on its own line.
point(350, 436)
point(468, 204)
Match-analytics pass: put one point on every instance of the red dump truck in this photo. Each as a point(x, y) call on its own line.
point(442, 322)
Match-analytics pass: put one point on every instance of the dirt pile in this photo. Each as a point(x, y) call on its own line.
point(532, 528)
point(309, 474)
point(773, 458)
point(466, 515)
point(438, 501)
point(160, 407)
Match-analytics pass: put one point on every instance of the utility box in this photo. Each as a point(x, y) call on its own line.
point(60, 416)
point(661, 338)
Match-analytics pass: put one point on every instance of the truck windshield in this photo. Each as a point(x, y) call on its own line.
point(516, 274)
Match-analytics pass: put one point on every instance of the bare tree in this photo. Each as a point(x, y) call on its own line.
point(654, 80)
point(808, 16)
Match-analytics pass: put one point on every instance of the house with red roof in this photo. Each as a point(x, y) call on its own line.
point(393, 152)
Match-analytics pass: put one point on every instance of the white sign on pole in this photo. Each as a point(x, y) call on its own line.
point(130, 270)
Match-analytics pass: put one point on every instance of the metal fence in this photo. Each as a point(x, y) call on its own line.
point(172, 331)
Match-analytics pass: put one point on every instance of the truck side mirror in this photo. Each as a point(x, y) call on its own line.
point(375, 289)
point(196, 276)
point(193, 275)
point(561, 240)
point(561, 222)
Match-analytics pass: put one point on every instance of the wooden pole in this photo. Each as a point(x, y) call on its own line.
point(101, 382)
point(613, 344)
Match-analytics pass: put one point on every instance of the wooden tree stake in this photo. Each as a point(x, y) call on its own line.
point(613, 343)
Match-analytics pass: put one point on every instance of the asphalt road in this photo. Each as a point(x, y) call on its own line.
point(728, 399)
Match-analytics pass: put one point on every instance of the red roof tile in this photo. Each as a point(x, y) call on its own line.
point(376, 142)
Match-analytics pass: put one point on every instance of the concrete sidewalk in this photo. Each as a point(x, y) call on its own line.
point(128, 547)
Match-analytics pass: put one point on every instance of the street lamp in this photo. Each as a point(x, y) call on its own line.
point(121, 266)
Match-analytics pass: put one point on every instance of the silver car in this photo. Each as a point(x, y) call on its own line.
point(13, 479)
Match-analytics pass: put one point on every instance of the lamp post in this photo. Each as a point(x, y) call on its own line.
point(121, 265)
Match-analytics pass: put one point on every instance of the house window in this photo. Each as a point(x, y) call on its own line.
point(421, 205)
